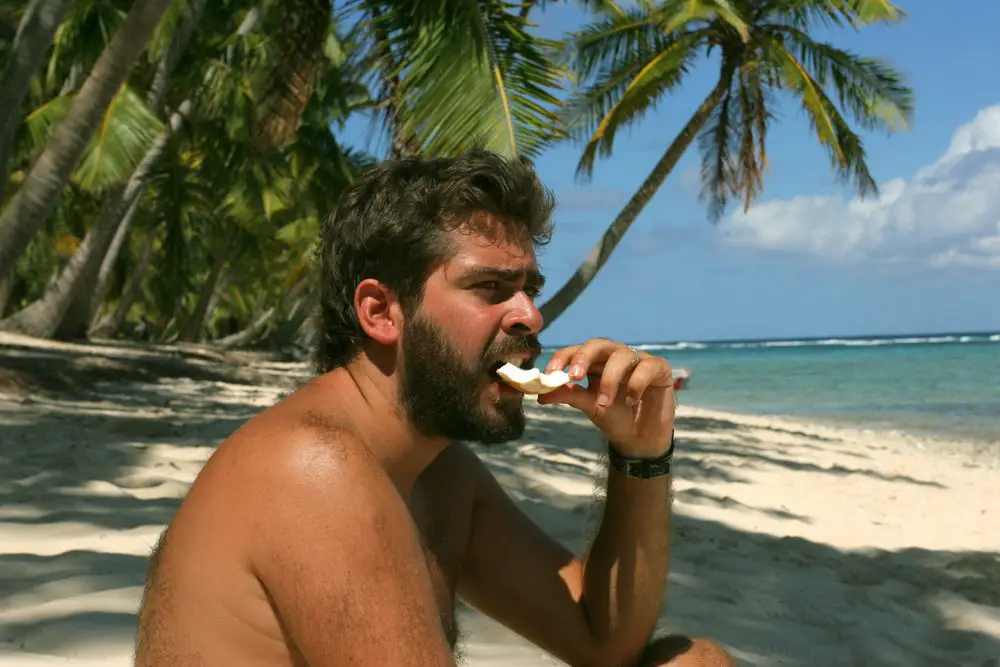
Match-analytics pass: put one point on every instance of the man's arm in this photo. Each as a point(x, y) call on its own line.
point(583, 611)
point(339, 555)
point(602, 609)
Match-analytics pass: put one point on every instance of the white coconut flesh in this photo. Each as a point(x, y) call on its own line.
point(532, 380)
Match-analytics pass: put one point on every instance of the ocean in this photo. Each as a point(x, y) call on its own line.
point(945, 385)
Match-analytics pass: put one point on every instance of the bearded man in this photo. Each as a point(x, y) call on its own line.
point(338, 526)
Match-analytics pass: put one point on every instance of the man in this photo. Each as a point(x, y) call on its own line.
point(338, 526)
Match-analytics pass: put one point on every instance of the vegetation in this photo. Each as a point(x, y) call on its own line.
point(165, 164)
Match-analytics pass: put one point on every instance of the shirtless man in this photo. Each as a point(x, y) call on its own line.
point(338, 526)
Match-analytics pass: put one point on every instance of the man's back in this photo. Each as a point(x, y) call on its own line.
point(205, 601)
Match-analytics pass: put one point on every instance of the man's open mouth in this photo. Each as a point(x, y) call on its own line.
point(525, 363)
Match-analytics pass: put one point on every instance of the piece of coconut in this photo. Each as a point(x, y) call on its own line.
point(532, 380)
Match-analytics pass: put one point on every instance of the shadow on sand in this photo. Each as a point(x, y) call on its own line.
point(705, 595)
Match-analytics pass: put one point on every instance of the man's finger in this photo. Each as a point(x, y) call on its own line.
point(573, 395)
point(651, 372)
point(560, 358)
point(596, 350)
point(618, 366)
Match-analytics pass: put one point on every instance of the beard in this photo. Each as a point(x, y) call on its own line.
point(442, 394)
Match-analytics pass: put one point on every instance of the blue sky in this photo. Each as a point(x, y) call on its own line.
point(808, 259)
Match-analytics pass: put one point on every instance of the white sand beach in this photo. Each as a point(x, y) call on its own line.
point(794, 544)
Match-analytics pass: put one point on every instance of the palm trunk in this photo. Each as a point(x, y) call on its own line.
point(45, 317)
point(38, 196)
point(34, 35)
point(110, 326)
point(248, 333)
point(191, 331)
point(599, 255)
point(96, 298)
point(6, 288)
point(76, 303)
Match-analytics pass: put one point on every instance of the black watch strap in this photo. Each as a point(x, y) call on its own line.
point(642, 468)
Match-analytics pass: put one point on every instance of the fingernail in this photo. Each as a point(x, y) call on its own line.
point(629, 401)
point(576, 370)
point(603, 400)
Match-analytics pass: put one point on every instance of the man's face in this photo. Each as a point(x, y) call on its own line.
point(477, 313)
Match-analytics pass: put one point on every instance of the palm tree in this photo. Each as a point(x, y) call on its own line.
point(631, 58)
point(66, 308)
point(38, 196)
point(458, 73)
point(34, 35)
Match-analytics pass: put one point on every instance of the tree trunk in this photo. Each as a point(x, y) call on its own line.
point(600, 253)
point(96, 298)
point(117, 212)
point(34, 35)
point(6, 288)
point(248, 333)
point(76, 303)
point(44, 317)
point(39, 194)
point(191, 331)
point(109, 327)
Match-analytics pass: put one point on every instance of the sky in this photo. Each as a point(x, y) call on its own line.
point(809, 259)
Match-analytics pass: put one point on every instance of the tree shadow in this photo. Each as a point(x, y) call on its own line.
point(77, 581)
point(773, 600)
point(770, 600)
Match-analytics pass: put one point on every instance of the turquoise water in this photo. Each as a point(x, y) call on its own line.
point(945, 385)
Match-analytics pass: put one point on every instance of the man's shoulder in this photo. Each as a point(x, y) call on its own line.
point(314, 454)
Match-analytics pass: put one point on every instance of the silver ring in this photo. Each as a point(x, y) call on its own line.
point(636, 353)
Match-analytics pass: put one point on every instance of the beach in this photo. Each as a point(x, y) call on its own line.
point(794, 542)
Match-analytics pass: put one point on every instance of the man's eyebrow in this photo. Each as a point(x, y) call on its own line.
point(531, 276)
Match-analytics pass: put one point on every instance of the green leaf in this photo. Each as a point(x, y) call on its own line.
point(128, 129)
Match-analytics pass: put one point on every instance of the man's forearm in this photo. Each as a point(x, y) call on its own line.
point(625, 572)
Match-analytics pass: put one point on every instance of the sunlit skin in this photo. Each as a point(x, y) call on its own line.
point(328, 531)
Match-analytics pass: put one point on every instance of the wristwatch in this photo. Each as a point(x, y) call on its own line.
point(642, 468)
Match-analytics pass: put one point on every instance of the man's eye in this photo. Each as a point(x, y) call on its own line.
point(489, 285)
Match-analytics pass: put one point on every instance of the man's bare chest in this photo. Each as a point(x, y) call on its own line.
point(442, 511)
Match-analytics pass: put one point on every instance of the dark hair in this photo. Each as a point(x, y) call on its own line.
point(392, 225)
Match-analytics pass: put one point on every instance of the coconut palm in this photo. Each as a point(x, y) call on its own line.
point(33, 37)
point(461, 73)
point(630, 59)
point(66, 307)
point(38, 196)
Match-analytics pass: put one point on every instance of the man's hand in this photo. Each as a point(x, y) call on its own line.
point(630, 396)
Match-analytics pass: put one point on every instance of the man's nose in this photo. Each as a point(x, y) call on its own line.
point(523, 318)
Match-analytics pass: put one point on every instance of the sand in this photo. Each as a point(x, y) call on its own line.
point(794, 543)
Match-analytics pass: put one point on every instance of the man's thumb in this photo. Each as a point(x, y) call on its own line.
point(573, 395)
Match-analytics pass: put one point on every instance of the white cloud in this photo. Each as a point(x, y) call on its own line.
point(946, 215)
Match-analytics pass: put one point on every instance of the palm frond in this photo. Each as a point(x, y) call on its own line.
point(719, 147)
point(804, 14)
point(477, 77)
point(128, 129)
point(607, 44)
point(623, 96)
point(847, 153)
point(872, 91)
point(673, 15)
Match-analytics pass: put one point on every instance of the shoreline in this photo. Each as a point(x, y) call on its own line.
point(794, 543)
point(961, 447)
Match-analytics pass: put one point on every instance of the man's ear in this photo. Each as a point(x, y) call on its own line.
point(378, 310)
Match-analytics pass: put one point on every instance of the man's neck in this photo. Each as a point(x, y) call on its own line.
point(371, 400)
